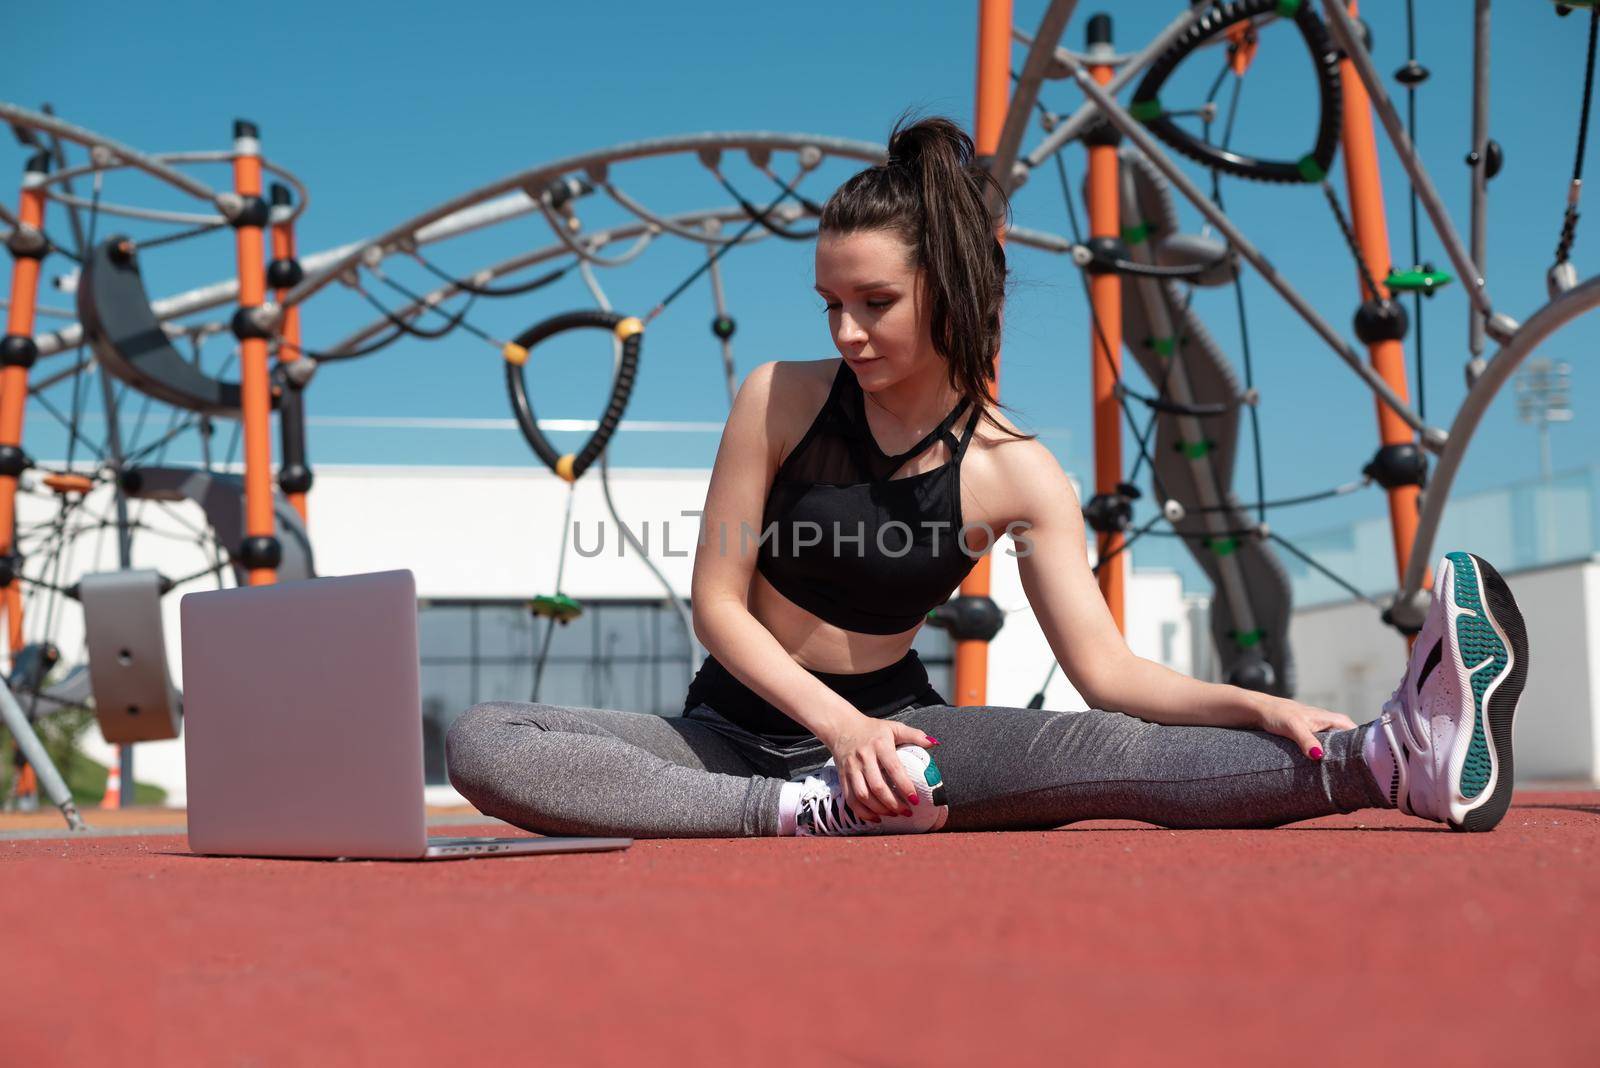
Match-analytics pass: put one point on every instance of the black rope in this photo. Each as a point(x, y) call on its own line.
point(1569, 223)
point(179, 235)
point(764, 217)
point(381, 343)
point(1325, 571)
point(492, 291)
point(1369, 284)
point(756, 220)
point(451, 321)
point(1262, 506)
point(1129, 540)
point(1244, 320)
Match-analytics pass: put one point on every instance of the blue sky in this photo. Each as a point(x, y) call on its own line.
point(387, 109)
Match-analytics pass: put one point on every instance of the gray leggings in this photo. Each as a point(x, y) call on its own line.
point(557, 770)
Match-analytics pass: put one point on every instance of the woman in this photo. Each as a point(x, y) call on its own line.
point(849, 498)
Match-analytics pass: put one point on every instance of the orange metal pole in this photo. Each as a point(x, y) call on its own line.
point(283, 248)
point(17, 354)
point(993, 99)
point(260, 551)
point(1105, 295)
point(1372, 237)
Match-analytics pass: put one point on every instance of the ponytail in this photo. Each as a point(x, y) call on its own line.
point(934, 196)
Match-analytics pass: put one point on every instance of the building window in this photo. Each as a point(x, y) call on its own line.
point(631, 655)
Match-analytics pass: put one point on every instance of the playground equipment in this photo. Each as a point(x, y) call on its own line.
point(1139, 272)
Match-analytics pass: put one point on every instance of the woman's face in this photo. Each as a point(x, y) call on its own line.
point(874, 303)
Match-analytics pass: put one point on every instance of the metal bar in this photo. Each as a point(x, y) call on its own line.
point(1041, 54)
point(1529, 336)
point(1135, 132)
point(1348, 39)
point(89, 139)
point(55, 787)
point(1370, 244)
point(1134, 67)
point(1480, 148)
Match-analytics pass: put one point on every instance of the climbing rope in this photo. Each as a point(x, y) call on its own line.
point(1569, 221)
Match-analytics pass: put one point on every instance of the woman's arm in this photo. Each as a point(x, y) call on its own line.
point(725, 559)
point(1053, 561)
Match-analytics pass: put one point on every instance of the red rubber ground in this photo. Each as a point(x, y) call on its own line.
point(1370, 939)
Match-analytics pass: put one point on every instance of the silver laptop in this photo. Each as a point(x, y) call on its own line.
point(303, 718)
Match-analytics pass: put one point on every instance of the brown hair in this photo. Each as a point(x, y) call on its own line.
point(933, 196)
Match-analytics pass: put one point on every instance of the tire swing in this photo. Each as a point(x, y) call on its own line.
point(1232, 20)
point(569, 467)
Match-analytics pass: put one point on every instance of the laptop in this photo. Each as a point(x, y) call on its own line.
point(304, 725)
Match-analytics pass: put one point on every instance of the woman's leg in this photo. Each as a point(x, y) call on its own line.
point(1019, 768)
point(558, 770)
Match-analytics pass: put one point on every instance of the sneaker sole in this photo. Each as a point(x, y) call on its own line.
point(1489, 645)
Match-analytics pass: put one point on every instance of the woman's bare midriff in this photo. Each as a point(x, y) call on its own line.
point(821, 646)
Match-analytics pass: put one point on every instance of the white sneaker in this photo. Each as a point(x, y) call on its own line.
point(824, 811)
point(1448, 724)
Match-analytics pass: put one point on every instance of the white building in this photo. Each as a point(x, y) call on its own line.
point(483, 541)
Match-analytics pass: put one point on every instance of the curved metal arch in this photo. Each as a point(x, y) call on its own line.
point(506, 201)
point(302, 195)
point(1534, 331)
point(539, 176)
point(152, 166)
point(600, 238)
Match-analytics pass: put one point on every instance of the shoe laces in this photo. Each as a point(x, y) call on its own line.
point(825, 811)
point(1399, 752)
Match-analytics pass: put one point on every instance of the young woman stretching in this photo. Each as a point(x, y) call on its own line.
point(852, 496)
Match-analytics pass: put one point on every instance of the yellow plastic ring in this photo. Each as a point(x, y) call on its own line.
point(628, 327)
point(564, 467)
point(515, 353)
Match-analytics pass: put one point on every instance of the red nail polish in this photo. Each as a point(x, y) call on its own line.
point(1316, 752)
point(933, 740)
point(914, 799)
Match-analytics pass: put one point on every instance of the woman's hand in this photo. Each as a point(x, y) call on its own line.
point(874, 781)
point(1299, 723)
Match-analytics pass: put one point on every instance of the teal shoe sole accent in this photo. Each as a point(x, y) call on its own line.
point(932, 775)
point(1480, 646)
point(1497, 684)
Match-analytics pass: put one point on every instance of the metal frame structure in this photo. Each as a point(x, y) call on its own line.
point(552, 191)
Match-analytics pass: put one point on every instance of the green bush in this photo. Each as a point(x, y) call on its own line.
point(59, 733)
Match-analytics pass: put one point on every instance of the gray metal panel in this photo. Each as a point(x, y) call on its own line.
point(221, 497)
point(129, 342)
point(134, 698)
point(1252, 591)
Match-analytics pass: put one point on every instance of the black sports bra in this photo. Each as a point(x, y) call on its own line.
point(852, 545)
